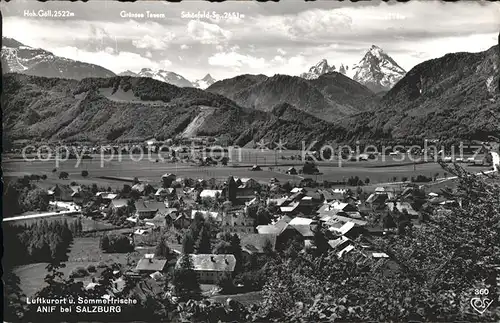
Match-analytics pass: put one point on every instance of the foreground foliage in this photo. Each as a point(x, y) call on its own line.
point(441, 265)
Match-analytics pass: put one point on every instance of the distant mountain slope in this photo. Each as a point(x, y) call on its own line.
point(128, 108)
point(19, 58)
point(285, 111)
point(328, 102)
point(449, 97)
point(343, 89)
point(232, 86)
point(161, 75)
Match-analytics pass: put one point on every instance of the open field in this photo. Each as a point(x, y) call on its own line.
point(383, 174)
point(381, 170)
point(83, 252)
point(145, 170)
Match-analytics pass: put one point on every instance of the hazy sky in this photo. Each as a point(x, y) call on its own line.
point(286, 37)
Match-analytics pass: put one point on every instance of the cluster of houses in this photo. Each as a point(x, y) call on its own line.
point(297, 214)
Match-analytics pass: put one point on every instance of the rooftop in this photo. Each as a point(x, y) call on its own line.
point(151, 264)
point(212, 262)
point(255, 243)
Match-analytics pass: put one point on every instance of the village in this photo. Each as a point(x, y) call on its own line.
point(229, 228)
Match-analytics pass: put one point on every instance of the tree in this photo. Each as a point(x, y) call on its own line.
point(185, 280)
point(202, 244)
point(237, 251)
point(36, 199)
point(263, 216)
point(79, 225)
point(226, 285)
point(268, 248)
point(310, 168)
point(11, 196)
point(126, 189)
point(437, 268)
point(63, 175)
point(222, 247)
point(231, 189)
point(119, 243)
point(162, 248)
point(85, 173)
point(367, 181)
point(14, 305)
point(187, 243)
point(104, 243)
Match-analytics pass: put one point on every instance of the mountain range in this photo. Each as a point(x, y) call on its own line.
point(452, 97)
point(125, 108)
point(160, 75)
point(172, 78)
point(329, 97)
point(18, 58)
point(376, 70)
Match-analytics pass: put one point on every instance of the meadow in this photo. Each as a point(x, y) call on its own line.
point(381, 170)
point(84, 251)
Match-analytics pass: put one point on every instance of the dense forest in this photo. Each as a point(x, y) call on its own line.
point(42, 241)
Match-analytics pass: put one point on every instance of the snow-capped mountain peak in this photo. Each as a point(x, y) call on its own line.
point(377, 70)
point(319, 69)
point(376, 51)
point(19, 58)
point(171, 78)
point(205, 82)
point(160, 75)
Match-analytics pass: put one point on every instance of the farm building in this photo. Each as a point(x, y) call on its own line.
point(62, 192)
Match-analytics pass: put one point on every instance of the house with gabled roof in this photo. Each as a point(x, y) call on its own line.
point(118, 203)
point(236, 221)
point(206, 214)
point(256, 243)
point(61, 193)
point(149, 264)
point(106, 197)
point(400, 206)
point(210, 268)
point(290, 209)
point(143, 188)
point(210, 193)
point(163, 218)
point(149, 209)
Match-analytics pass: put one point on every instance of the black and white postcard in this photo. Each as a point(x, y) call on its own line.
point(246, 161)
